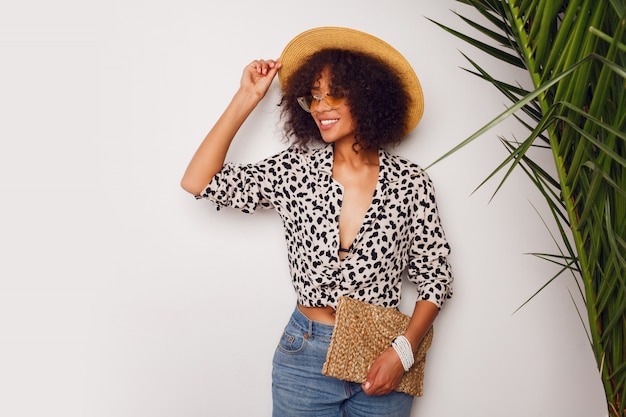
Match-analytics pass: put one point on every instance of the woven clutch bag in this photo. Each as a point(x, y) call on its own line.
point(362, 332)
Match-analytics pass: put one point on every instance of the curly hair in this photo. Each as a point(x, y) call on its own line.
point(378, 101)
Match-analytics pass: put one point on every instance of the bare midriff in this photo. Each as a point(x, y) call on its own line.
point(325, 315)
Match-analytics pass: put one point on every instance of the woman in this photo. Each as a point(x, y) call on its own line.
point(356, 217)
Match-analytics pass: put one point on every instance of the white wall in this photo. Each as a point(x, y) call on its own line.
point(121, 296)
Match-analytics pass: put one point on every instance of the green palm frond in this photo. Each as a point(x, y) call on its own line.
point(575, 55)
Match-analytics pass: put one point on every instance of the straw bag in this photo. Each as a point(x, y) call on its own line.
point(362, 332)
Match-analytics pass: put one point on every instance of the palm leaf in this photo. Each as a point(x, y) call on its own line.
point(575, 55)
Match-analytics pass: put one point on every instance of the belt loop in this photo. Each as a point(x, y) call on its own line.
point(310, 329)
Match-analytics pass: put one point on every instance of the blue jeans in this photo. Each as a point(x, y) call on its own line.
point(300, 390)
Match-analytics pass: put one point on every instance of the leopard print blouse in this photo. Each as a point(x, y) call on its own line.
point(401, 229)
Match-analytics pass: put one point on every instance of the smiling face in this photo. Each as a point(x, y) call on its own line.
point(335, 124)
point(377, 102)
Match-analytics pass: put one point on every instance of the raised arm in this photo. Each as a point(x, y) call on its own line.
point(209, 158)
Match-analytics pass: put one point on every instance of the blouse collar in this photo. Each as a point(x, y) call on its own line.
point(322, 160)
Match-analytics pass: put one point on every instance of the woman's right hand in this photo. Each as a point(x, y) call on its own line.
point(209, 158)
point(258, 75)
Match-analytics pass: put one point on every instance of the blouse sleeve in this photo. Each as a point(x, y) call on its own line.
point(428, 265)
point(245, 187)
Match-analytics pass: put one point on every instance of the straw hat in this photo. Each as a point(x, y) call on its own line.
point(300, 48)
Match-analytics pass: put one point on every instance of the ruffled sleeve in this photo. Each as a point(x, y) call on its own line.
point(243, 187)
point(428, 264)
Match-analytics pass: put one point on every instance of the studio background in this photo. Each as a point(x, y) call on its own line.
point(122, 296)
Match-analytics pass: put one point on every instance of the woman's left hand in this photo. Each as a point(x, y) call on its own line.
point(385, 374)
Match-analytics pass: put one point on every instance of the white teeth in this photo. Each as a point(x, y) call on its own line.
point(327, 122)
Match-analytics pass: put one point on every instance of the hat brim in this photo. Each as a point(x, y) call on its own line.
point(300, 48)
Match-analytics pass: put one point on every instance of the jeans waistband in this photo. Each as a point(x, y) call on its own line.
point(310, 327)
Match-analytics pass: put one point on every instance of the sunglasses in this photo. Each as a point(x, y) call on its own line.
point(310, 103)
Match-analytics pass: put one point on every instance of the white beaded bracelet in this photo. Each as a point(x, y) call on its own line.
point(402, 346)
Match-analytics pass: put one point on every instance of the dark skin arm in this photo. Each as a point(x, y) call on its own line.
point(386, 372)
point(209, 158)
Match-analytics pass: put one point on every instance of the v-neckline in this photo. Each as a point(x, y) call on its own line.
point(366, 215)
